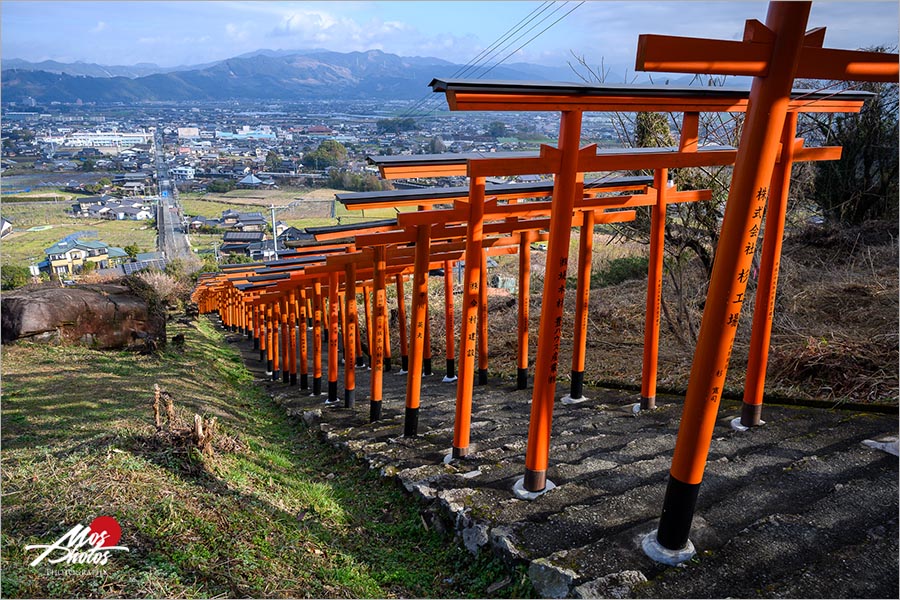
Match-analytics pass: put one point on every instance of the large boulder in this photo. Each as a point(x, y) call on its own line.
point(106, 316)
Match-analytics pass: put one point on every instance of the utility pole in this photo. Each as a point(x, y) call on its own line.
point(274, 232)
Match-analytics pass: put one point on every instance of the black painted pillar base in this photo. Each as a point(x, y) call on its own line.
point(304, 381)
point(332, 391)
point(451, 368)
point(349, 398)
point(521, 379)
point(268, 366)
point(576, 390)
point(317, 386)
point(360, 361)
point(309, 322)
point(275, 375)
point(387, 364)
point(459, 452)
point(482, 376)
point(535, 481)
point(293, 379)
point(426, 367)
point(404, 363)
point(233, 328)
point(262, 355)
point(677, 514)
point(751, 415)
point(256, 344)
point(285, 377)
point(411, 422)
point(648, 403)
point(374, 410)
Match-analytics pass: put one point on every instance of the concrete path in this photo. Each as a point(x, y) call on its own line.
point(800, 507)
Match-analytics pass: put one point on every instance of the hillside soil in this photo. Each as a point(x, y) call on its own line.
point(834, 334)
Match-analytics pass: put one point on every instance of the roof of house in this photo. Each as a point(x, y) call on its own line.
point(250, 179)
point(114, 252)
point(251, 217)
point(292, 233)
point(131, 210)
point(63, 247)
point(243, 236)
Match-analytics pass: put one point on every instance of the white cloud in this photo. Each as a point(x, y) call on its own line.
point(100, 26)
point(236, 32)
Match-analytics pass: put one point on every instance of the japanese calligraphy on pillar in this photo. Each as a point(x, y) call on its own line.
point(736, 301)
point(561, 273)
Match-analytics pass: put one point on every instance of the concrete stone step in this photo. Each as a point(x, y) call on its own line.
point(795, 508)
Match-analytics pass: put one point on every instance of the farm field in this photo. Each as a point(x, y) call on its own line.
point(26, 247)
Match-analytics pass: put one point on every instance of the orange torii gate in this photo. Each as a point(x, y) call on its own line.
point(568, 162)
point(254, 278)
point(401, 259)
point(774, 54)
point(423, 165)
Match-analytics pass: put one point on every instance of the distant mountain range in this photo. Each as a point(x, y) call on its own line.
point(260, 75)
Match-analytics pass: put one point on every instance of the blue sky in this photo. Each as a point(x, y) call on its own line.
point(178, 33)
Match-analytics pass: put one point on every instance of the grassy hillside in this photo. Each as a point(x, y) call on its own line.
point(274, 513)
point(24, 247)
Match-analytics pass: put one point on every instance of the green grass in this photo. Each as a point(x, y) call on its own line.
point(372, 214)
point(282, 514)
point(24, 247)
point(210, 209)
point(42, 194)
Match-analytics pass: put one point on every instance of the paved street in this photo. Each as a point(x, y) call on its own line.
point(171, 239)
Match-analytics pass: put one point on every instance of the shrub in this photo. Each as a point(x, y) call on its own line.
point(14, 276)
point(622, 269)
point(168, 289)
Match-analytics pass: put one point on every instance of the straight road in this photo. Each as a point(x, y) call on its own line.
point(171, 238)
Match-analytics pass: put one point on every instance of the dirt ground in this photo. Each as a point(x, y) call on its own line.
point(834, 336)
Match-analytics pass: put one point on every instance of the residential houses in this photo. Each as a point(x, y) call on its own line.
point(113, 209)
point(67, 258)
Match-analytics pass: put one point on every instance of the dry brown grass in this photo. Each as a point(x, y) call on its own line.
point(834, 337)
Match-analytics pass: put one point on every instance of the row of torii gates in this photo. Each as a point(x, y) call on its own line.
point(270, 301)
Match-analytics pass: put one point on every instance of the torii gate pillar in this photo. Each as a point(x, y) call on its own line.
point(774, 54)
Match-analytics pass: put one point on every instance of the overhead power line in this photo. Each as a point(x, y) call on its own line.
point(527, 18)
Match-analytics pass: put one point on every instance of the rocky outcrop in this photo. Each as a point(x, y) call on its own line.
point(103, 316)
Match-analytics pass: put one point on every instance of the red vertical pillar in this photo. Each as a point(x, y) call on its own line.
point(550, 329)
point(417, 330)
point(582, 302)
point(483, 322)
point(269, 339)
point(380, 301)
point(448, 322)
point(285, 337)
point(654, 291)
point(471, 280)
point(524, 298)
point(769, 98)
point(304, 318)
point(351, 335)
point(277, 330)
point(401, 318)
point(292, 337)
point(318, 311)
point(767, 284)
point(333, 367)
